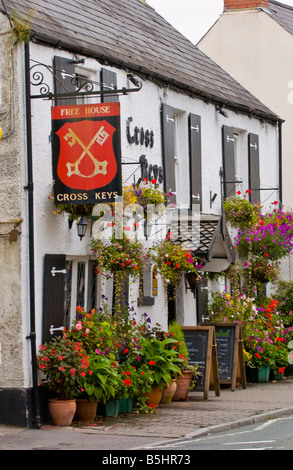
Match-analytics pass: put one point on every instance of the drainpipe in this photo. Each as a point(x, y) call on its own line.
point(30, 188)
point(280, 163)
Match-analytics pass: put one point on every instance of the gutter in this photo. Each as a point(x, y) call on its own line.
point(30, 189)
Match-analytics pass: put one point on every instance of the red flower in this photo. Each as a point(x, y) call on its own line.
point(127, 382)
point(248, 191)
point(154, 181)
point(238, 192)
point(152, 363)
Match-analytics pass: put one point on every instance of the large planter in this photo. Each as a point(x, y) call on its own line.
point(183, 384)
point(86, 410)
point(153, 397)
point(110, 408)
point(125, 405)
point(168, 392)
point(62, 411)
point(258, 375)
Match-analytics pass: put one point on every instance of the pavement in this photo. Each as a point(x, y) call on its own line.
point(181, 420)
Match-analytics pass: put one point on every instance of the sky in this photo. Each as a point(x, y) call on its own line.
point(193, 18)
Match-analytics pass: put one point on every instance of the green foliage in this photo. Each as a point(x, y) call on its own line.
point(95, 331)
point(101, 381)
point(137, 380)
point(125, 255)
point(63, 363)
point(223, 307)
point(21, 27)
point(176, 332)
point(161, 359)
point(240, 212)
point(172, 261)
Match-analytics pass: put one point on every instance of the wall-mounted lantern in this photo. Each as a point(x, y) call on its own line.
point(81, 228)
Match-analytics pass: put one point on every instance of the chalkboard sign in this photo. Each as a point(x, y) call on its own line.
point(201, 346)
point(225, 339)
point(230, 353)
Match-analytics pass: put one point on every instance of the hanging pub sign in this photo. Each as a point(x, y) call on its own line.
point(86, 153)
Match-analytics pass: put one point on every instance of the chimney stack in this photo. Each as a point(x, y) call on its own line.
point(245, 4)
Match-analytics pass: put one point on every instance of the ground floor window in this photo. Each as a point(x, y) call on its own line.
point(80, 287)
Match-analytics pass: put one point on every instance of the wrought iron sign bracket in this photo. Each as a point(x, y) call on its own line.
point(84, 87)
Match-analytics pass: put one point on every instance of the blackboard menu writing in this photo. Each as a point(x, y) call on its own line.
point(225, 350)
point(197, 344)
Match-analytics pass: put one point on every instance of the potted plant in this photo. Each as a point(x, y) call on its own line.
point(99, 384)
point(137, 381)
point(162, 360)
point(183, 380)
point(63, 362)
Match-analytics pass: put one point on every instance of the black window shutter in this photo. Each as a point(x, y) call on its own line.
point(168, 130)
point(253, 164)
point(195, 159)
point(228, 161)
point(53, 298)
point(108, 82)
point(64, 71)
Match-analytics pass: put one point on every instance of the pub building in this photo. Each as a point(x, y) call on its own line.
point(112, 79)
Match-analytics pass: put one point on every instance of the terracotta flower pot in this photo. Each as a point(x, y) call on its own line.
point(153, 397)
point(86, 410)
point(168, 392)
point(183, 384)
point(62, 411)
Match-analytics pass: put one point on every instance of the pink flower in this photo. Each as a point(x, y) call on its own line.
point(78, 326)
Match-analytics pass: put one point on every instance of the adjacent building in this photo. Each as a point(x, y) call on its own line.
point(253, 42)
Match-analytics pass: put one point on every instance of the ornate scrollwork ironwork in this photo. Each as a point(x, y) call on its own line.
point(82, 85)
point(37, 79)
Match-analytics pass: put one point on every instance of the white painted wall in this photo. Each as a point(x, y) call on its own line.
point(51, 231)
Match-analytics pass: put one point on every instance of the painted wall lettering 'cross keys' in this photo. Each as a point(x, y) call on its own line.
point(99, 167)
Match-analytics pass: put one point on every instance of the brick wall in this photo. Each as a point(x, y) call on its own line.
point(243, 4)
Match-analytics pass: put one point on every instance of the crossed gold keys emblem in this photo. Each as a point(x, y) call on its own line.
point(99, 167)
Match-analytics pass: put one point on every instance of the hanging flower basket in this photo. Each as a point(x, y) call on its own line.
point(240, 212)
point(172, 261)
point(125, 256)
point(146, 194)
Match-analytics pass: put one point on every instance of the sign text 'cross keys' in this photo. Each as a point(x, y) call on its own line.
point(99, 167)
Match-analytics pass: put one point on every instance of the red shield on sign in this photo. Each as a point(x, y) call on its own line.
point(87, 159)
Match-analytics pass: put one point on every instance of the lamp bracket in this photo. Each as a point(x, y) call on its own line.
point(83, 86)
